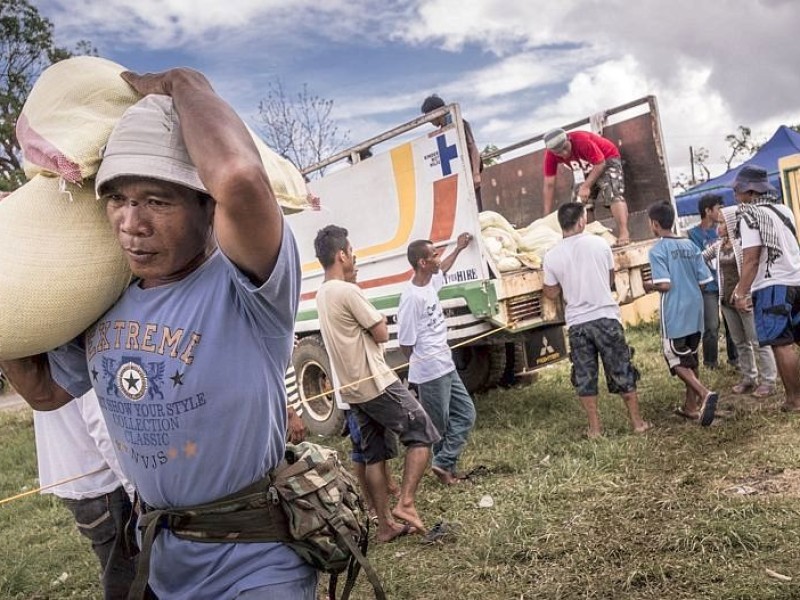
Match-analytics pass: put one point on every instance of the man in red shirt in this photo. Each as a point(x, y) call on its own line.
point(597, 166)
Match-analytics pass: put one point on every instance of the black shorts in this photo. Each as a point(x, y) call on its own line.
point(394, 410)
point(682, 351)
point(776, 311)
point(604, 338)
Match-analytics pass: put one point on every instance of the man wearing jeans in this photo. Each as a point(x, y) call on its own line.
point(422, 333)
point(704, 234)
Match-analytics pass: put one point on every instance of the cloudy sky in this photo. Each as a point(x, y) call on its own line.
point(516, 67)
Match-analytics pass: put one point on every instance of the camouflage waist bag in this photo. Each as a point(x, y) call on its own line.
point(327, 522)
point(309, 502)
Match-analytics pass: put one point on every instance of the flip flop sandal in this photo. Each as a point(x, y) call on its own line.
point(708, 409)
point(763, 391)
point(679, 411)
point(743, 387)
point(440, 533)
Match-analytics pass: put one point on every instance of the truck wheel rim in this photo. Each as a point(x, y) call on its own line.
point(314, 381)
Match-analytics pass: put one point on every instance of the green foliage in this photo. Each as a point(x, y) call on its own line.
point(27, 47)
point(488, 149)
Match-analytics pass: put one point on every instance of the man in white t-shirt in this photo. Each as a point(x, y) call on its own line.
point(422, 334)
point(771, 273)
point(74, 441)
point(581, 268)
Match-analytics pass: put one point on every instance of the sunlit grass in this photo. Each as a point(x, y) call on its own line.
point(679, 513)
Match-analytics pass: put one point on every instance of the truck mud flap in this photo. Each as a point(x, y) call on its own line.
point(544, 346)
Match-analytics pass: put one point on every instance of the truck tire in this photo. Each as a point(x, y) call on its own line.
point(472, 365)
point(315, 386)
point(497, 364)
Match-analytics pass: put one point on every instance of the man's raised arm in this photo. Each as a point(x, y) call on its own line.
point(248, 223)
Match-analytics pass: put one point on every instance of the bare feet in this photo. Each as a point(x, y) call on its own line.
point(593, 434)
point(410, 516)
point(393, 531)
point(446, 477)
point(645, 426)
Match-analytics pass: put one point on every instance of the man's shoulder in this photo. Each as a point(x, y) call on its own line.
point(337, 288)
point(590, 239)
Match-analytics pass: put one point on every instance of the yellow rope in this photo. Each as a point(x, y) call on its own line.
point(405, 364)
point(322, 395)
point(52, 485)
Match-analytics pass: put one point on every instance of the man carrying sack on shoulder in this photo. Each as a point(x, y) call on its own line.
point(188, 365)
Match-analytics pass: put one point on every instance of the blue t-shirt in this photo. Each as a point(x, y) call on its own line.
point(703, 238)
point(190, 377)
point(678, 261)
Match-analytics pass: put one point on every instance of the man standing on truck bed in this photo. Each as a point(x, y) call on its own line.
point(422, 334)
point(597, 164)
point(353, 331)
point(433, 102)
point(581, 267)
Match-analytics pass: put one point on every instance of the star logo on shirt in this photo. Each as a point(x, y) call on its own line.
point(190, 449)
point(132, 381)
point(172, 453)
point(94, 374)
point(177, 379)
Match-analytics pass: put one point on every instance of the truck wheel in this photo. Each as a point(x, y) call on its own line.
point(472, 364)
point(315, 386)
point(497, 364)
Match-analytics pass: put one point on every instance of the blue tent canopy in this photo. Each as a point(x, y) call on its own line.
point(784, 142)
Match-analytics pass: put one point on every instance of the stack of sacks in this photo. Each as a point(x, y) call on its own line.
point(500, 240)
point(512, 249)
point(61, 266)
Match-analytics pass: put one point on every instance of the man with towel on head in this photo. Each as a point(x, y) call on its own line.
point(769, 284)
point(189, 364)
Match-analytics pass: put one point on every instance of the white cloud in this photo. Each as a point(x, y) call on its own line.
point(713, 66)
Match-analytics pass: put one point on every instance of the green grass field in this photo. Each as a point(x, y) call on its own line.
point(679, 513)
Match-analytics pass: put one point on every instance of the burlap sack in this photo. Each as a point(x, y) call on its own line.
point(73, 107)
point(61, 265)
point(69, 115)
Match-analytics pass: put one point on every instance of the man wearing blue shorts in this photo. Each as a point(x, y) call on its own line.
point(770, 280)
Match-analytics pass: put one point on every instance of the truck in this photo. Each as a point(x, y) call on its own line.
point(789, 168)
point(415, 182)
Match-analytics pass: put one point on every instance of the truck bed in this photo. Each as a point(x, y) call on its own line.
point(521, 304)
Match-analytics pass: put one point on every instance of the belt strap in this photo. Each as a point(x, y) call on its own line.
point(251, 515)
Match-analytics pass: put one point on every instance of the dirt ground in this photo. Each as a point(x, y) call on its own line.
point(10, 400)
